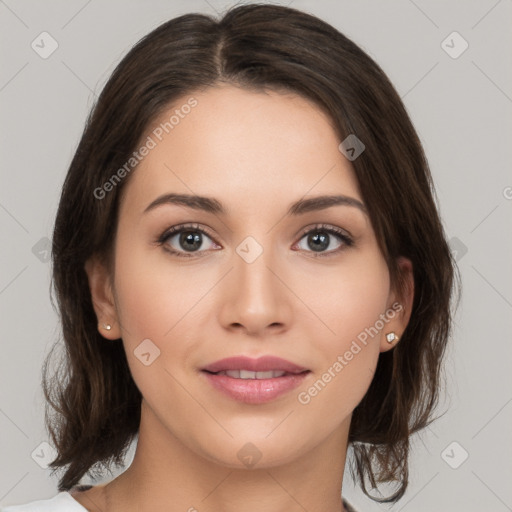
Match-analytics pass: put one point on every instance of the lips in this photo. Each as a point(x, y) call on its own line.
point(247, 374)
point(254, 381)
point(262, 364)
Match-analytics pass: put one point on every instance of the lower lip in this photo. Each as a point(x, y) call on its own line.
point(255, 391)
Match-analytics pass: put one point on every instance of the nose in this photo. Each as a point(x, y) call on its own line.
point(256, 299)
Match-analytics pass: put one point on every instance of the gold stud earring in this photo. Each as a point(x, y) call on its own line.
point(391, 337)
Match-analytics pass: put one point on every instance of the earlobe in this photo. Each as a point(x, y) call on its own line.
point(401, 304)
point(102, 298)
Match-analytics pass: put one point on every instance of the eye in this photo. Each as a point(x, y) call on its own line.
point(319, 239)
point(187, 238)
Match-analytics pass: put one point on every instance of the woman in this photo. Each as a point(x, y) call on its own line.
point(251, 273)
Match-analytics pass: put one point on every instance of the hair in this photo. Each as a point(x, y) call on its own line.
point(257, 47)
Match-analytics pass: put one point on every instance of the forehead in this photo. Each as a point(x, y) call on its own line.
point(244, 146)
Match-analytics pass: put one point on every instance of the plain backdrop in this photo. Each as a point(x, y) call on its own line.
point(460, 100)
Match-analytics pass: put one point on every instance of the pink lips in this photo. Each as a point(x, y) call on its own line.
point(262, 364)
point(252, 390)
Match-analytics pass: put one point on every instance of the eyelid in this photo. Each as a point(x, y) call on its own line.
point(187, 226)
point(325, 227)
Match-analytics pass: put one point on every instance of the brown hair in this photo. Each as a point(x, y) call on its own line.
point(257, 47)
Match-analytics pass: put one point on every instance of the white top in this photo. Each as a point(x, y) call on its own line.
point(63, 502)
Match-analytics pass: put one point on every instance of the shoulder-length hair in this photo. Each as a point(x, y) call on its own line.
point(258, 47)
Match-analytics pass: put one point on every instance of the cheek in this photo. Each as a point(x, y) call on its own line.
point(144, 311)
point(350, 299)
point(351, 307)
point(163, 303)
point(154, 303)
point(152, 294)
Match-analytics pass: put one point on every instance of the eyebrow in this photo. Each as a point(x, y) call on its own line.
point(211, 205)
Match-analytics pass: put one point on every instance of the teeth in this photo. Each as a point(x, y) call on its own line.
point(247, 374)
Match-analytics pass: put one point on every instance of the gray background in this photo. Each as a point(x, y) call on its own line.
point(461, 108)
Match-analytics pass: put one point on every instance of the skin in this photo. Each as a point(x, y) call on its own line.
point(256, 153)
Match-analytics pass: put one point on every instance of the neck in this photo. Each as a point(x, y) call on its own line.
point(166, 473)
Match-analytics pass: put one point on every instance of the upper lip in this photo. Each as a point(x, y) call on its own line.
point(261, 364)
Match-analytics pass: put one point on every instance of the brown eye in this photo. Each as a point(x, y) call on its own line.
point(326, 240)
point(190, 240)
point(180, 240)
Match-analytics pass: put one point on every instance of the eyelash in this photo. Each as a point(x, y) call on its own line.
point(164, 237)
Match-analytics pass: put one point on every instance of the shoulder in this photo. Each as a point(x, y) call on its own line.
point(62, 502)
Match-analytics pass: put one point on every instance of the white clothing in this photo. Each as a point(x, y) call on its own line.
point(62, 502)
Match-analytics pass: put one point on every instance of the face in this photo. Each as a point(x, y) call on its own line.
point(247, 275)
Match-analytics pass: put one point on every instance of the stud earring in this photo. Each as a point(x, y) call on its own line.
point(391, 337)
point(107, 327)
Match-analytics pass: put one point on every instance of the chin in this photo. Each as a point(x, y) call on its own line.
point(256, 450)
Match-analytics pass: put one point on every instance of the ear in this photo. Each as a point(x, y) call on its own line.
point(102, 297)
point(399, 307)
